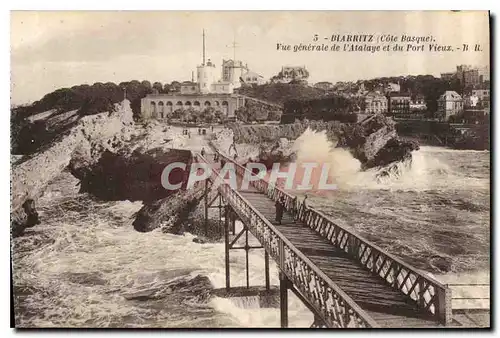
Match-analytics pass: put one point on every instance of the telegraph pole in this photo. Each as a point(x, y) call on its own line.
point(234, 45)
point(203, 47)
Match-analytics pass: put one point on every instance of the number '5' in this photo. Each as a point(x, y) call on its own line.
point(315, 37)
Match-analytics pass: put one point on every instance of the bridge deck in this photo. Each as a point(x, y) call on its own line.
point(384, 304)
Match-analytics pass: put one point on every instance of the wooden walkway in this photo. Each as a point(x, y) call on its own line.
point(387, 306)
point(343, 278)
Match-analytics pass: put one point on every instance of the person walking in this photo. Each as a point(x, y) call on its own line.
point(202, 152)
point(280, 208)
point(295, 208)
point(303, 207)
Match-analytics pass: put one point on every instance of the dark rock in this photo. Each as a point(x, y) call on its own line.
point(395, 150)
point(26, 217)
point(278, 153)
point(199, 240)
point(168, 213)
point(129, 175)
point(182, 289)
point(373, 141)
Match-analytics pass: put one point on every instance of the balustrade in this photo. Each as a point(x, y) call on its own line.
point(428, 293)
point(334, 307)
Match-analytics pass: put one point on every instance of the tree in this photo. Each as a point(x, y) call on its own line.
point(208, 114)
point(274, 115)
point(218, 115)
point(175, 86)
point(158, 86)
point(242, 114)
point(146, 84)
point(177, 114)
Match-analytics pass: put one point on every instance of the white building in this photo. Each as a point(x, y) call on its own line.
point(208, 91)
point(292, 73)
point(206, 76)
point(449, 104)
point(253, 78)
point(232, 71)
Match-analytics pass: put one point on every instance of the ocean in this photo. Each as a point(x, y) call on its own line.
point(85, 265)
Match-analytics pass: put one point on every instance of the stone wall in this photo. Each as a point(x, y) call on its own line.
point(152, 106)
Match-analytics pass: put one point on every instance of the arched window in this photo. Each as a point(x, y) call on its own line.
point(207, 104)
point(225, 107)
point(196, 105)
point(153, 109)
point(161, 108)
point(169, 107)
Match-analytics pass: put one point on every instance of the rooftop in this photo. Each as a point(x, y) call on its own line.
point(450, 95)
point(399, 95)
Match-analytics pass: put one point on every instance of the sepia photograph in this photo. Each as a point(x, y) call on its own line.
point(250, 169)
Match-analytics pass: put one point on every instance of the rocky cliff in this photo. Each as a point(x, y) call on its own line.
point(30, 174)
point(374, 141)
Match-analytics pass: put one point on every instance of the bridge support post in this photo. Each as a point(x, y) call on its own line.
point(206, 208)
point(220, 212)
point(284, 300)
point(226, 242)
point(266, 268)
point(247, 248)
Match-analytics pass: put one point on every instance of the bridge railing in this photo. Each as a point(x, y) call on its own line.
point(428, 293)
point(469, 296)
point(334, 306)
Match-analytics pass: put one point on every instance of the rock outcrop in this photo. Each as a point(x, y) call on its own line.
point(129, 174)
point(374, 141)
point(134, 173)
point(281, 151)
point(26, 217)
point(31, 174)
point(168, 213)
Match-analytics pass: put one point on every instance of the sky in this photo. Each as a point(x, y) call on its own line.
point(51, 50)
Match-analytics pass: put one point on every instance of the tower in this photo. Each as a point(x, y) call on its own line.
point(205, 73)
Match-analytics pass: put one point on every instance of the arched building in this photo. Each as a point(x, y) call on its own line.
point(161, 106)
point(206, 92)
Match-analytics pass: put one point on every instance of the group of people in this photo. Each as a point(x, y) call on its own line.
point(281, 207)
